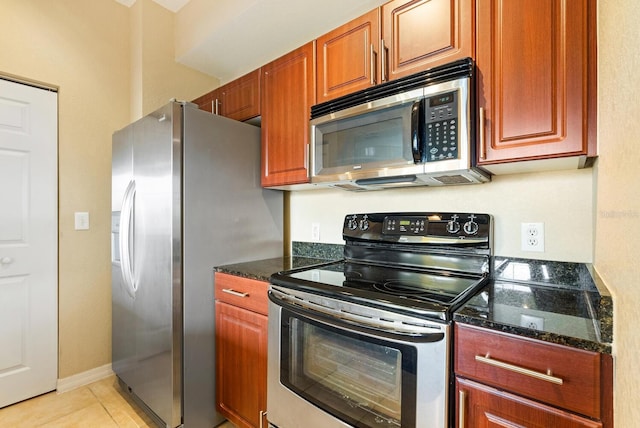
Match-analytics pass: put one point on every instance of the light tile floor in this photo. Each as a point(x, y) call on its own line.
point(101, 404)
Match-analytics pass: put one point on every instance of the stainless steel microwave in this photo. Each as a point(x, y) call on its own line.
point(415, 131)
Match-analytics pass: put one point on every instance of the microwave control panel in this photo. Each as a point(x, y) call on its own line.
point(441, 126)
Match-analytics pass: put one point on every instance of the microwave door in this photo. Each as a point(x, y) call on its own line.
point(370, 144)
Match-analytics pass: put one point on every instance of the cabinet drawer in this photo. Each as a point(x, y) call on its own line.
point(243, 292)
point(558, 375)
point(483, 406)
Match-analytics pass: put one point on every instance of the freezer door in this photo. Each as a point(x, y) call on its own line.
point(123, 338)
point(147, 297)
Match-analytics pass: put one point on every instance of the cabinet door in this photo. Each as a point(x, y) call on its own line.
point(532, 60)
point(420, 34)
point(241, 364)
point(208, 101)
point(288, 92)
point(480, 406)
point(240, 99)
point(347, 57)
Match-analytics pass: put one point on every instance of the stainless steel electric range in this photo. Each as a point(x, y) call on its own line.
point(366, 341)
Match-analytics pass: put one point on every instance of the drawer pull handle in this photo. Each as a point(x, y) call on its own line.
point(235, 293)
point(521, 370)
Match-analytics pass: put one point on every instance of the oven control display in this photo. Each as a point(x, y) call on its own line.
point(405, 226)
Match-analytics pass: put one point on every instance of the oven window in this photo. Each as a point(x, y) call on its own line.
point(362, 380)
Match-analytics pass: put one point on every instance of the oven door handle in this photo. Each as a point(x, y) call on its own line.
point(358, 323)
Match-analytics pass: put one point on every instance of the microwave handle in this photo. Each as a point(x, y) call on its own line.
point(417, 134)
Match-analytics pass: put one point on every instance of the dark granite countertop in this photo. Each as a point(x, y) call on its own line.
point(556, 302)
point(569, 300)
point(263, 269)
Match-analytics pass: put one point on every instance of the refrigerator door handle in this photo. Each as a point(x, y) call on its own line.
point(126, 234)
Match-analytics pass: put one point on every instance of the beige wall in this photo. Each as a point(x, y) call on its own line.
point(84, 48)
point(618, 192)
point(158, 75)
point(562, 200)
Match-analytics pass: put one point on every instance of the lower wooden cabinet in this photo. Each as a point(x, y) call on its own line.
point(483, 406)
point(505, 380)
point(241, 350)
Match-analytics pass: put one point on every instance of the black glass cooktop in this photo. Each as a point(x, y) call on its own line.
point(428, 292)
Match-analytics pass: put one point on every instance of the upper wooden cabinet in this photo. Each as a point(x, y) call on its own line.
point(536, 96)
point(207, 102)
point(421, 34)
point(241, 97)
point(347, 57)
point(396, 40)
point(238, 99)
point(288, 92)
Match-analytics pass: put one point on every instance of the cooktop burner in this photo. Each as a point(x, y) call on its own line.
point(401, 288)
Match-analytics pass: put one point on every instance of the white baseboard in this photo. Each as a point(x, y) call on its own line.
point(84, 378)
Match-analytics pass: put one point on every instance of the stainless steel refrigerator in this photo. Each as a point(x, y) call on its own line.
point(186, 197)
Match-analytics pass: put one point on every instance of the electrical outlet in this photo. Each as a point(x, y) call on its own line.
point(532, 237)
point(81, 220)
point(529, 321)
point(315, 231)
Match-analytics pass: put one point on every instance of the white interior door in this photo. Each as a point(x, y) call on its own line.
point(28, 241)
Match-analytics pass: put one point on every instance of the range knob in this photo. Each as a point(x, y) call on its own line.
point(452, 225)
point(364, 223)
point(471, 227)
point(352, 222)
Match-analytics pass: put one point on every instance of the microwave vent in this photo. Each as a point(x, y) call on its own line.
point(350, 187)
point(453, 179)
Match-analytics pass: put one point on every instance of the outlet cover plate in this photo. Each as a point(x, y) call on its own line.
point(315, 232)
point(532, 322)
point(532, 237)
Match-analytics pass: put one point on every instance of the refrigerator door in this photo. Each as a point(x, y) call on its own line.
point(147, 298)
point(228, 218)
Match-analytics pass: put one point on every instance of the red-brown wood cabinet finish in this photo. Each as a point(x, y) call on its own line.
point(484, 407)
point(535, 75)
point(507, 380)
point(238, 99)
point(207, 102)
point(347, 57)
point(241, 349)
point(420, 34)
point(288, 92)
point(241, 97)
point(398, 39)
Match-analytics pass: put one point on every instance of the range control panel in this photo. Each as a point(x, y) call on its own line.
point(419, 228)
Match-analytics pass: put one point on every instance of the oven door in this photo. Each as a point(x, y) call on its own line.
point(329, 372)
